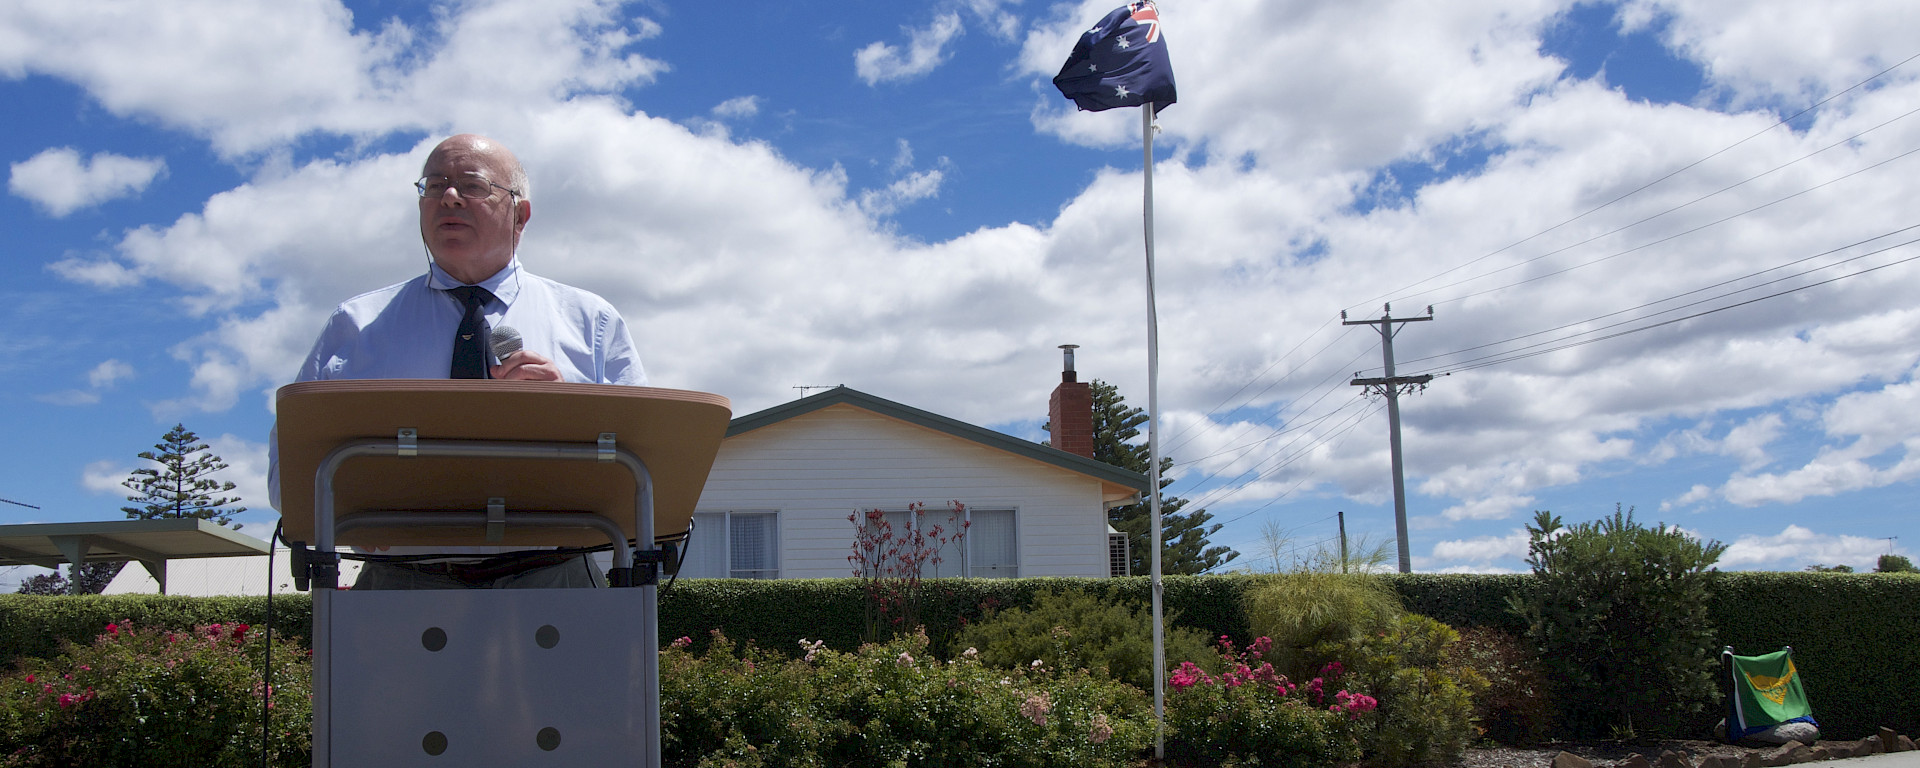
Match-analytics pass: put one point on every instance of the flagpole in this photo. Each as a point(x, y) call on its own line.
point(1153, 447)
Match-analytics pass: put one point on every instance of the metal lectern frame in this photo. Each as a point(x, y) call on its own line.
point(324, 562)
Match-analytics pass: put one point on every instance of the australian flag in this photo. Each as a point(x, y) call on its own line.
point(1120, 62)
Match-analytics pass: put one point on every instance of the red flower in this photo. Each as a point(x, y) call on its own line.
point(113, 629)
point(240, 632)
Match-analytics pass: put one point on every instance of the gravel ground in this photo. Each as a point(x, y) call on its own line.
point(1600, 752)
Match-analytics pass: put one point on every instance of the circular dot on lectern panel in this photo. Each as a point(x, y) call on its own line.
point(548, 739)
point(433, 639)
point(547, 636)
point(434, 743)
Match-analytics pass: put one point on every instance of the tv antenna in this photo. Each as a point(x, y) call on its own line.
point(19, 503)
point(803, 390)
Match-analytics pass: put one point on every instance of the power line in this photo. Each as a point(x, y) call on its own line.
point(1675, 209)
point(1679, 296)
point(1222, 495)
point(1675, 236)
point(1256, 377)
point(1646, 186)
point(1570, 345)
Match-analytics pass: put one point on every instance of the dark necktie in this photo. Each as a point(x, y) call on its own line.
point(470, 341)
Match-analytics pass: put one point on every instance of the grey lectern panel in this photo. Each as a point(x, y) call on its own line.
point(485, 677)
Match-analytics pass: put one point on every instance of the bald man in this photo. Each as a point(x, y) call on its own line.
point(474, 202)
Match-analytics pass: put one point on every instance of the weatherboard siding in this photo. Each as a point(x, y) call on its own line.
point(818, 467)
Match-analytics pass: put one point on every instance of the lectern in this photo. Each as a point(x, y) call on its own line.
point(490, 677)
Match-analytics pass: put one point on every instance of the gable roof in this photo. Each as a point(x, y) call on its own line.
point(842, 395)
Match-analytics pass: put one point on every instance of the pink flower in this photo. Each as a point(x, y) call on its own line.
point(29, 679)
point(1101, 730)
point(66, 700)
point(682, 642)
point(1261, 645)
point(905, 659)
point(1187, 676)
point(1354, 704)
point(1036, 707)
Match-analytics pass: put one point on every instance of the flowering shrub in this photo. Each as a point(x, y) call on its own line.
point(1098, 634)
point(890, 563)
point(152, 697)
point(1425, 702)
point(889, 704)
point(1252, 714)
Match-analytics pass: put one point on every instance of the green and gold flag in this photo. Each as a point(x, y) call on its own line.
point(1766, 693)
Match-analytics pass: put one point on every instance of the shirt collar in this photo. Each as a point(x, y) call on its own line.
point(504, 285)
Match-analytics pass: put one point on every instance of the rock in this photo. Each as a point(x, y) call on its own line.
point(1869, 746)
point(1818, 754)
point(1889, 740)
point(1571, 760)
point(1634, 761)
point(1779, 735)
point(1906, 744)
point(1719, 761)
point(1754, 760)
point(1839, 750)
point(1787, 754)
point(1671, 759)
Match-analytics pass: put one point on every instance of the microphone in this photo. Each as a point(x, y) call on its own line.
point(505, 341)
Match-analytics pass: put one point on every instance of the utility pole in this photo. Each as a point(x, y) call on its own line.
point(1343, 540)
point(1390, 385)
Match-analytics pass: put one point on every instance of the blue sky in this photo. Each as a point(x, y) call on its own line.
point(892, 196)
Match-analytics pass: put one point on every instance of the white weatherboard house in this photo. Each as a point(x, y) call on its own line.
point(777, 500)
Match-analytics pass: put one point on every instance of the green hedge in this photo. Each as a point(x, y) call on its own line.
point(33, 626)
point(1856, 637)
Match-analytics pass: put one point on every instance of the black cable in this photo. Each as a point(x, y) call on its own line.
point(1465, 367)
point(1644, 187)
point(266, 668)
point(1676, 297)
point(1286, 461)
point(1256, 377)
point(1668, 238)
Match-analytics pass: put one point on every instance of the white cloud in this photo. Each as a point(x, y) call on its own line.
point(102, 378)
point(60, 181)
point(1484, 549)
point(1492, 508)
point(737, 108)
point(108, 373)
point(882, 62)
point(307, 69)
point(105, 477)
point(1004, 25)
point(1876, 424)
point(1796, 547)
point(1694, 495)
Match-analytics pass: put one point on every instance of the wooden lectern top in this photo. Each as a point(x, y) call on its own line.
point(676, 433)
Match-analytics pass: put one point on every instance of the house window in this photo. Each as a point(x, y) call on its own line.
point(733, 544)
point(992, 551)
point(986, 551)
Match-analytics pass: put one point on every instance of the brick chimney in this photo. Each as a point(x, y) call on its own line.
point(1070, 411)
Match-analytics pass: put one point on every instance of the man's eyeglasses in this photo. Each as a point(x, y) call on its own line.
point(467, 187)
